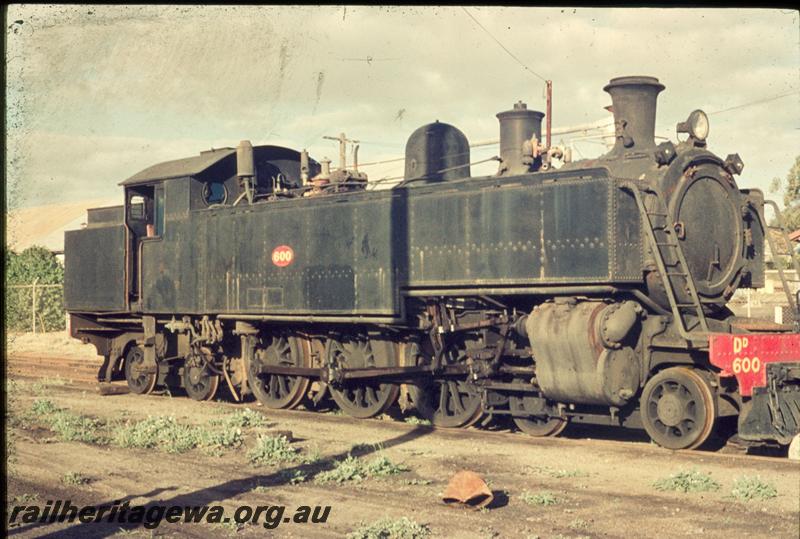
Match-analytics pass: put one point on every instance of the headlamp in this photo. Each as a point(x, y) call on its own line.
point(696, 125)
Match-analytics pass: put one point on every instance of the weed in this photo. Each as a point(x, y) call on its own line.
point(578, 524)
point(232, 527)
point(42, 407)
point(417, 482)
point(293, 476)
point(68, 426)
point(163, 432)
point(355, 469)
point(560, 474)
point(540, 498)
point(313, 456)
point(74, 478)
point(173, 437)
point(272, 450)
point(75, 428)
point(216, 440)
point(24, 499)
point(693, 481)
point(124, 532)
point(349, 469)
point(387, 528)
point(414, 420)
point(56, 381)
point(749, 488)
point(381, 466)
point(242, 419)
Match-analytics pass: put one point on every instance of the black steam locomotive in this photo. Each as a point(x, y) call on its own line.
point(591, 292)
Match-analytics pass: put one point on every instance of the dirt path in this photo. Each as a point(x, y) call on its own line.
point(599, 488)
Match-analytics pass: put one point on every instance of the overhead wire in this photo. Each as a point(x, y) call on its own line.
point(758, 102)
point(520, 62)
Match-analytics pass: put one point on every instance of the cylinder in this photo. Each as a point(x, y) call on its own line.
point(634, 105)
point(517, 126)
point(245, 162)
point(437, 152)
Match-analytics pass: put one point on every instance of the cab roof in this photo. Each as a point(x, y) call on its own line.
point(189, 166)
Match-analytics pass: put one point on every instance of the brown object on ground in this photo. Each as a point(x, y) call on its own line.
point(112, 389)
point(469, 489)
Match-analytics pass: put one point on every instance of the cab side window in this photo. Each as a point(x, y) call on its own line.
point(146, 211)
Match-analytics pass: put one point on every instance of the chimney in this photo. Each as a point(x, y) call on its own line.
point(634, 105)
point(517, 126)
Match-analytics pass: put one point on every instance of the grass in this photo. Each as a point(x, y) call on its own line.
point(356, 470)
point(388, 528)
point(292, 477)
point(12, 419)
point(42, 407)
point(271, 450)
point(241, 419)
point(167, 434)
point(539, 498)
point(381, 466)
point(414, 420)
point(578, 524)
point(67, 426)
point(24, 499)
point(558, 473)
point(750, 488)
point(417, 482)
point(693, 481)
point(74, 479)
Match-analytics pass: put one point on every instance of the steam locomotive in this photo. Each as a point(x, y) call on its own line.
point(592, 292)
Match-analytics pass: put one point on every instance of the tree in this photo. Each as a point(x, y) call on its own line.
point(34, 264)
point(791, 195)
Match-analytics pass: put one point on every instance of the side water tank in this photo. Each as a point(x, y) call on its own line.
point(437, 152)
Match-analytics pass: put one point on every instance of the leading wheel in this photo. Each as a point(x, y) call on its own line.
point(446, 402)
point(141, 379)
point(359, 398)
point(538, 423)
point(278, 390)
point(199, 381)
point(678, 408)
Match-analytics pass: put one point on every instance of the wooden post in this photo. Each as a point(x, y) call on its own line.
point(33, 305)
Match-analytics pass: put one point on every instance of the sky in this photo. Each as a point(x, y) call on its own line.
point(97, 93)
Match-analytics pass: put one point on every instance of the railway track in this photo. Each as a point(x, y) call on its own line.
point(83, 372)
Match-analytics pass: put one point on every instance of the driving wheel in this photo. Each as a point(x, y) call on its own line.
point(361, 399)
point(450, 402)
point(278, 390)
point(678, 408)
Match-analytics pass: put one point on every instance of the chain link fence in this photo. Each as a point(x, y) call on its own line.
point(34, 307)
